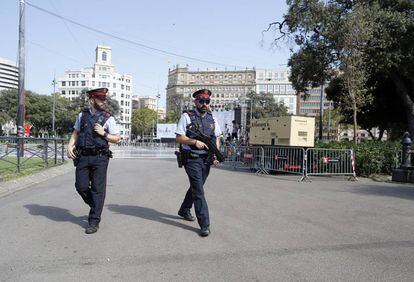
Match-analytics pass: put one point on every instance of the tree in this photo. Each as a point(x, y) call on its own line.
point(143, 121)
point(359, 41)
point(171, 117)
point(8, 105)
point(177, 103)
point(264, 105)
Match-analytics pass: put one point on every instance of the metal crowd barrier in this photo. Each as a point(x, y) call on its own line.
point(320, 161)
point(293, 160)
point(284, 159)
point(19, 150)
point(243, 157)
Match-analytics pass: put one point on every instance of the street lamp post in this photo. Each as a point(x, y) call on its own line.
point(156, 124)
point(54, 105)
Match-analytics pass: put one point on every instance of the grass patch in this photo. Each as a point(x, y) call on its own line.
point(8, 167)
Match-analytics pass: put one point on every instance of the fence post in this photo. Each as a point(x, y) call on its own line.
point(354, 178)
point(305, 167)
point(55, 143)
point(262, 168)
point(45, 149)
point(63, 151)
point(18, 148)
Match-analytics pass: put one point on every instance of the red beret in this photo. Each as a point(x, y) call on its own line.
point(202, 93)
point(99, 92)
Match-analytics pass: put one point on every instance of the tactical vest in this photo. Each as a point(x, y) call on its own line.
point(205, 124)
point(88, 138)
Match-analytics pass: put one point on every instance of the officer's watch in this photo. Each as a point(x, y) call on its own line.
point(105, 134)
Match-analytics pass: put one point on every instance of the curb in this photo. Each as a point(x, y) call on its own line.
point(13, 186)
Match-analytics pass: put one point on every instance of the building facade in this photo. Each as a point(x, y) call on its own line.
point(9, 74)
point(150, 102)
point(276, 82)
point(229, 88)
point(102, 74)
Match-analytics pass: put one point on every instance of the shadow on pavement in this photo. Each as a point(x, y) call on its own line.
point(385, 191)
point(57, 214)
point(150, 214)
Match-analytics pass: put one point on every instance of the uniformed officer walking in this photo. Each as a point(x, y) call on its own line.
point(196, 164)
point(88, 146)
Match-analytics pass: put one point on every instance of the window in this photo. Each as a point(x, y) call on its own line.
point(122, 86)
point(83, 83)
point(262, 88)
point(114, 85)
point(63, 92)
point(93, 83)
point(270, 88)
point(103, 56)
point(63, 83)
point(122, 95)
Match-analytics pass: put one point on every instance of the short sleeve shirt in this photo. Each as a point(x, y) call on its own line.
point(109, 126)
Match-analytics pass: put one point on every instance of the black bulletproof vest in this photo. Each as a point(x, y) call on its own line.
point(88, 138)
point(205, 124)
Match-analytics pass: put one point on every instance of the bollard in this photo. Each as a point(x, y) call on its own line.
point(406, 151)
point(404, 172)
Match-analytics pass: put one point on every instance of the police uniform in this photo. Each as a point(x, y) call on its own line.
point(196, 166)
point(93, 157)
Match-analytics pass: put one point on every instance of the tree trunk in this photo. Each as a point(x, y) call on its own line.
point(381, 133)
point(408, 104)
point(355, 120)
point(370, 133)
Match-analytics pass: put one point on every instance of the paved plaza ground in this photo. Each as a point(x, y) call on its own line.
point(264, 228)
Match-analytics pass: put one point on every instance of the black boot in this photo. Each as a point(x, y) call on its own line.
point(92, 228)
point(205, 231)
point(186, 215)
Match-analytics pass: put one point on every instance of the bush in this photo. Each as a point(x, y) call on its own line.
point(371, 157)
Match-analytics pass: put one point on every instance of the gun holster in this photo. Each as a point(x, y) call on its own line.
point(77, 152)
point(182, 157)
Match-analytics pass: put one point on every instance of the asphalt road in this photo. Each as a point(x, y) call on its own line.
point(263, 229)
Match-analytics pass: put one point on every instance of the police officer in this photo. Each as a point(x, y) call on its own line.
point(196, 165)
point(88, 146)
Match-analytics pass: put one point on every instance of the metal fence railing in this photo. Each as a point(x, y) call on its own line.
point(243, 157)
point(284, 159)
point(292, 160)
point(320, 161)
point(20, 150)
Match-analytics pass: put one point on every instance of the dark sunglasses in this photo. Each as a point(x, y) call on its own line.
point(204, 101)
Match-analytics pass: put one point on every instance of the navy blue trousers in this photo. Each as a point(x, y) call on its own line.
point(197, 172)
point(91, 184)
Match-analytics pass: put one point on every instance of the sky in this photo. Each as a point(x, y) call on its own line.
point(226, 33)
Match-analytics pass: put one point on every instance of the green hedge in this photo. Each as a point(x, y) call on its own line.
point(371, 157)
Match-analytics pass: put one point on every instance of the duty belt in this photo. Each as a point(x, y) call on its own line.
point(195, 156)
point(93, 151)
